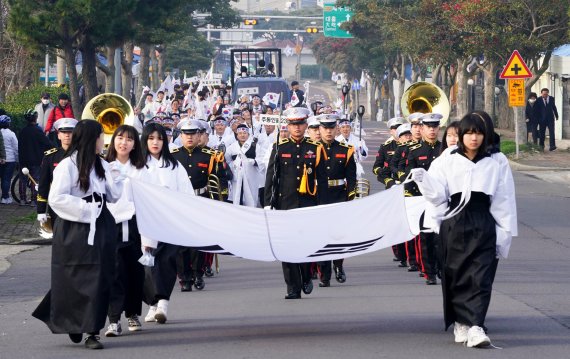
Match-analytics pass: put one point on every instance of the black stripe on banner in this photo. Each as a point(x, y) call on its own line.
point(346, 249)
point(209, 248)
point(352, 244)
point(338, 252)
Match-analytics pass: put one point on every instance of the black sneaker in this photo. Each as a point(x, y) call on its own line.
point(208, 272)
point(199, 283)
point(186, 286)
point(92, 342)
point(308, 287)
point(339, 274)
point(413, 268)
point(324, 283)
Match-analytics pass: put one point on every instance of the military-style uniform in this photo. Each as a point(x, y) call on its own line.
point(297, 162)
point(381, 167)
point(199, 163)
point(50, 161)
point(338, 186)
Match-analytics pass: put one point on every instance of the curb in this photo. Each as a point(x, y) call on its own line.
point(8, 250)
point(521, 167)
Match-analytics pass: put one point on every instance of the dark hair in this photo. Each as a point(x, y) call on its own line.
point(162, 92)
point(532, 94)
point(165, 154)
point(261, 63)
point(63, 96)
point(473, 122)
point(83, 141)
point(294, 83)
point(493, 139)
point(270, 67)
point(545, 89)
point(455, 125)
point(135, 155)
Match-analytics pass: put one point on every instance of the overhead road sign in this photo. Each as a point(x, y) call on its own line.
point(516, 68)
point(333, 17)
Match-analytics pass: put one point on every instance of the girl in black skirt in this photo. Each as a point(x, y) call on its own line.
point(475, 229)
point(84, 232)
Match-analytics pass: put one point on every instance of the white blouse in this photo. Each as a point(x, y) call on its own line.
point(453, 173)
point(66, 197)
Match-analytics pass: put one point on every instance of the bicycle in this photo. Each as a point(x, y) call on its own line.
point(22, 192)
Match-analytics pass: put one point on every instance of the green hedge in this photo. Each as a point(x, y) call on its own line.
point(312, 72)
point(18, 103)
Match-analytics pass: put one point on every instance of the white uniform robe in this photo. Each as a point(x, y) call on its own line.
point(247, 176)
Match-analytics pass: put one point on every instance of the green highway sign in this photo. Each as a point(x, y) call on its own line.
point(333, 16)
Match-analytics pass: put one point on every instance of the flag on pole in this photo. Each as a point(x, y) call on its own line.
point(271, 98)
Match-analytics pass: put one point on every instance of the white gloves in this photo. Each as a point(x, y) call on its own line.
point(147, 259)
point(417, 174)
point(267, 208)
point(42, 218)
point(36, 187)
point(250, 161)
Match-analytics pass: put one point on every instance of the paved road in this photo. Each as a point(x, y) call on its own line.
point(381, 312)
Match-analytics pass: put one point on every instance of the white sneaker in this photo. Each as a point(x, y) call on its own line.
point(134, 323)
point(114, 330)
point(460, 332)
point(161, 311)
point(476, 338)
point(150, 316)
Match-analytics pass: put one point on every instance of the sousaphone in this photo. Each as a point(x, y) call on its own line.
point(111, 111)
point(425, 97)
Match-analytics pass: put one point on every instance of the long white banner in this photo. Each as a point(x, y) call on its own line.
point(303, 235)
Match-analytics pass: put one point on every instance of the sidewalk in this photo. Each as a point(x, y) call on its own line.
point(18, 224)
point(529, 161)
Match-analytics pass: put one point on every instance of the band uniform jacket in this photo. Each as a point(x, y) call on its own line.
point(199, 163)
point(294, 159)
point(339, 185)
point(381, 166)
point(421, 155)
point(399, 160)
point(49, 163)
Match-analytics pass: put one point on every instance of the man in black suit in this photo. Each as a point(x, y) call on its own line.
point(547, 113)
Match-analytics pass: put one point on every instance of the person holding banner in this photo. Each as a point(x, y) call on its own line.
point(475, 230)
point(125, 153)
point(291, 182)
point(339, 185)
point(163, 170)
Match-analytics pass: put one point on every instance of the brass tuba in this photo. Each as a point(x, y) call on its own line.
point(214, 187)
point(111, 111)
point(425, 97)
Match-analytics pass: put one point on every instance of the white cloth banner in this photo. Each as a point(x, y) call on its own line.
point(311, 234)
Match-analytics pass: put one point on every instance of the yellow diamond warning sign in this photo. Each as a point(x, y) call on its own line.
point(516, 68)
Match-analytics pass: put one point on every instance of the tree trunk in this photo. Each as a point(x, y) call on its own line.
point(88, 70)
point(462, 90)
point(69, 55)
point(490, 71)
point(435, 75)
point(109, 70)
point(161, 59)
point(372, 103)
point(127, 70)
point(143, 72)
point(154, 75)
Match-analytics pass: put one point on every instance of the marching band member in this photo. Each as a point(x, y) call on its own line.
point(125, 152)
point(296, 164)
point(313, 130)
point(64, 127)
point(475, 230)
point(83, 252)
point(381, 166)
point(198, 163)
point(163, 170)
point(339, 185)
point(243, 159)
point(346, 136)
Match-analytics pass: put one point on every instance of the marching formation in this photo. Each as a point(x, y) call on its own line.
point(205, 145)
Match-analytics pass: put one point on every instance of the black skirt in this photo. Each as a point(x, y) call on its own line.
point(468, 242)
point(81, 276)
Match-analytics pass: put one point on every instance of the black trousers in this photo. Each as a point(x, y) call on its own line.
point(190, 264)
point(326, 268)
point(164, 271)
point(429, 257)
point(410, 247)
point(127, 289)
point(295, 275)
point(542, 134)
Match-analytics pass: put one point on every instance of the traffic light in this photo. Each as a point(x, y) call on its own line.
point(312, 29)
point(250, 21)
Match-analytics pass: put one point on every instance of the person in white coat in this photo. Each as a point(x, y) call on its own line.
point(476, 219)
point(165, 171)
point(243, 159)
point(43, 108)
point(347, 137)
point(125, 156)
